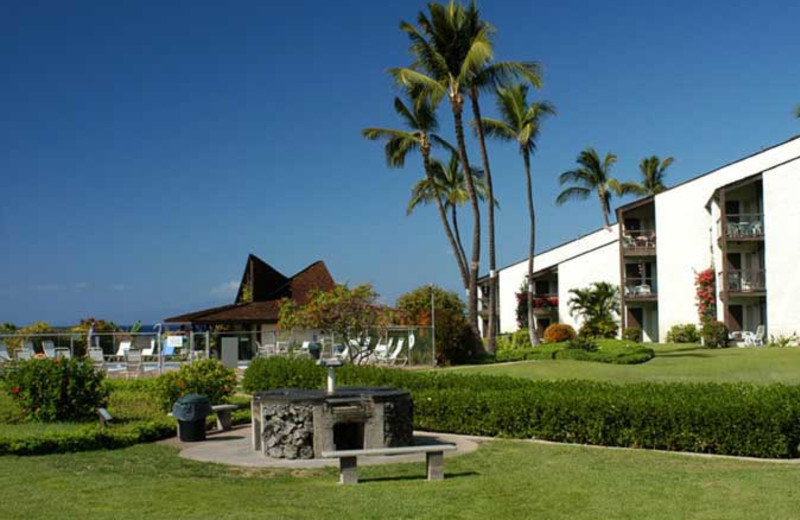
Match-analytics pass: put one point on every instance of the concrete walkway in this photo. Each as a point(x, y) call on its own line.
point(234, 448)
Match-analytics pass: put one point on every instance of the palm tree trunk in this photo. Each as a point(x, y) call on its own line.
point(457, 250)
point(532, 332)
point(476, 112)
point(604, 205)
point(457, 103)
point(458, 235)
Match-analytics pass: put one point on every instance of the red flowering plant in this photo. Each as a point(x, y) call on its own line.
point(706, 286)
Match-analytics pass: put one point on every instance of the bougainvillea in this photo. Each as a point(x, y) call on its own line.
point(538, 303)
point(705, 283)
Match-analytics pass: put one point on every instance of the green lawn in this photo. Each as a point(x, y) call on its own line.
point(672, 363)
point(503, 479)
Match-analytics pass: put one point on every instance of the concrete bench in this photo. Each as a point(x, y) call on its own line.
point(348, 459)
point(224, 420)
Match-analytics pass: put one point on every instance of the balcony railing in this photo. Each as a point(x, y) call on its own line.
point(640, 288)
point(642, 241)
point(740, 226)
point(746, 280)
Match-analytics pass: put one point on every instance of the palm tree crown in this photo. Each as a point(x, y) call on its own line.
point(420, 122)
point(520, 121)
point(450, 184)
point(653, 171)
point(593, 175)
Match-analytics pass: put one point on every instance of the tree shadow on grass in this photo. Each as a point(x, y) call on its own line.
point(686, 354)
point(447, 476)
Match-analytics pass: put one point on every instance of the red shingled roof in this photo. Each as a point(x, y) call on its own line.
point(268, 291)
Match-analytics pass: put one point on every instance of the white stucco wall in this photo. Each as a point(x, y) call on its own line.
point(684, 228)
point(598, 265)
point(512, 277)
point(782, 247)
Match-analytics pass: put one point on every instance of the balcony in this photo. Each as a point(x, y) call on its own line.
point(545, 303)
point(639, 242)
point(744, 226)
point(746, 281)
point(640, 289)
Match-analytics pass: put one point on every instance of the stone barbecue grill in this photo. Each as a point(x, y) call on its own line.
point(301, 424)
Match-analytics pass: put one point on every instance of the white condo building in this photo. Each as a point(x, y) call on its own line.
point(742, 220)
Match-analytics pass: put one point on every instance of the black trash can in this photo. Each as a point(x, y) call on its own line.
point(314, 350)
point(191, 412)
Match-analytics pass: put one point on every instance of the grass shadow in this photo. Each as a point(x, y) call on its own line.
point(447, 476)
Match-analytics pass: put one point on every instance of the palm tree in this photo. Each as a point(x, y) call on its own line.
point(521, 122)
point(797, 112)
point(420, 121)
point(490, 77)
point(594, 175)
point(653, 171)
point(449, 47)
point(450, 184)
point(597, 305)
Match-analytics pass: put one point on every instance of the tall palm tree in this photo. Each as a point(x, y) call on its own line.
point(653, 171)
point(450, 184)
point(421, 124)
point(449, 46)
point(490, 77)
point(594, 175)
point(797, 112)
point(521, 122)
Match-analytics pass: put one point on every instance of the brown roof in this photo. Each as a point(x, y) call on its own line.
point(267, 294)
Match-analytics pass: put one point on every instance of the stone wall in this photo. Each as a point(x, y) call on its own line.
point(288, 431)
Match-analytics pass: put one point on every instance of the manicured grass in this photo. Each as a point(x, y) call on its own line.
point(503, 479)
point(673, 362)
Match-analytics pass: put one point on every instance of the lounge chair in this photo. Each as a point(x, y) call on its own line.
point(754, 339)
point(133, 361)
point(124, 347)
point(381, 352)
point(394, 357)
point(4, 357)
point(148, 352)
point(63, 353)
point(49, 349)
point(266, 350)
point(27, 351)
point(98, 360)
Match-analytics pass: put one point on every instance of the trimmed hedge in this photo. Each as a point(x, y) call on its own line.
point(84, 437)
point(609, 351)
point(730, 419)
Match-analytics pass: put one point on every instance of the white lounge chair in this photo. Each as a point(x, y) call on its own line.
point(381, 352)
point(124, 347)
point(133, 361)
point(4, 357)
point(27, 351)
point(266, 350)
point(98, 360)
point(754, 339)
point(394, 357)
point(63, 353)
point(49, 349)
point(150, 351)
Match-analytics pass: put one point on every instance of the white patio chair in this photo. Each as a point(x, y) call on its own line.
point(98, 360)
point(758, 337)
point(49, 349)
point(381, 352)
point(265, 350)
point(150, 351)
point(394, 357)
point(27, 351)
point(63, 353)
point(133, 361)
point(4, 357)
point(124, 347)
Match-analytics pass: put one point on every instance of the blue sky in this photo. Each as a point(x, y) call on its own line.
point(147, 147)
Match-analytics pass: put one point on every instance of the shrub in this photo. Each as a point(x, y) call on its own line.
point(731, 419)
point(714, 334)
point(207, 377)
point(632, 334)
point(55, 390)
point(558, 332)
point(521, 339)
point(581, 343)
point(782, 340)
point(598, 305)
point(455, 340)
point(686, 333)
point(601, 328)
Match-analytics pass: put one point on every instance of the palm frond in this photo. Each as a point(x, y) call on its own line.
point(425, 87)
point(572, 193)
point(507, 72)
point(580, 176)
point(497, 129)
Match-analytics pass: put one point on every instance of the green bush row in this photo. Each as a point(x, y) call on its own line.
point(85, 437)
point(608, 351)
point(730, 419)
